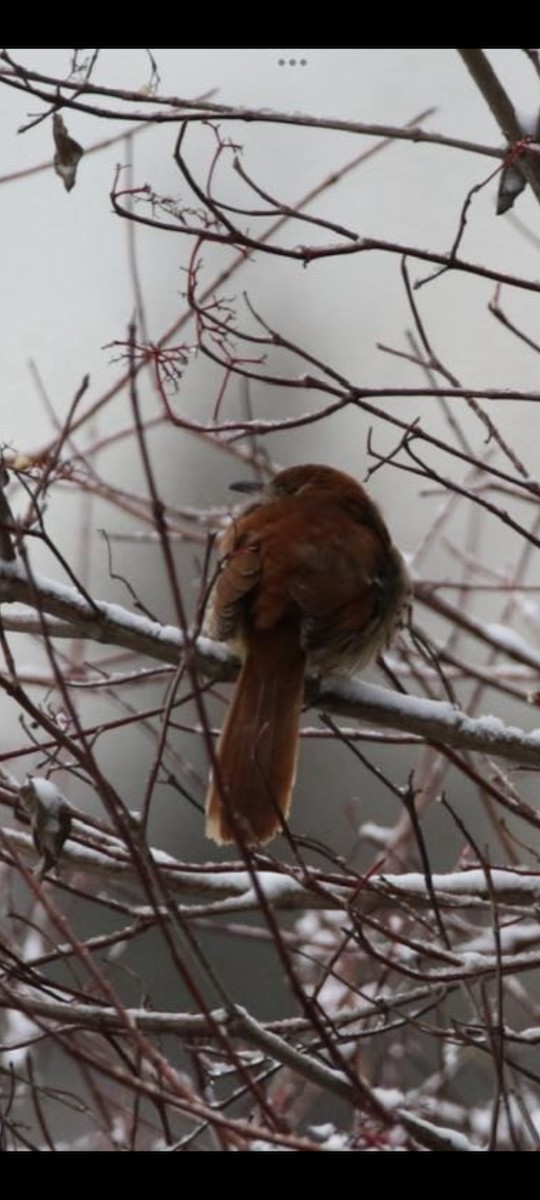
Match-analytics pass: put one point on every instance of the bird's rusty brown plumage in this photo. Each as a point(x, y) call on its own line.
point(308, 580)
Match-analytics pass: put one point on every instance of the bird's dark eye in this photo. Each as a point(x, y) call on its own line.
point(290, 484)
point(288, 488)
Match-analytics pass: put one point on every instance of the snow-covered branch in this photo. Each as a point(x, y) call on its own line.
point(113, 624)
point(229, 889)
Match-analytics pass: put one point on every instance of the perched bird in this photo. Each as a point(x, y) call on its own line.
point(308, 580)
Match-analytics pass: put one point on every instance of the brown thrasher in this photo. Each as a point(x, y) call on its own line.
point(308, 579)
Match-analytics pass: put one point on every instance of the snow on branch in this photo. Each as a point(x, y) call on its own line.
point(229, 889)
point(100, 621)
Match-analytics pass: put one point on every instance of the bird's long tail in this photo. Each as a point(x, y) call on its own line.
point(250, 791)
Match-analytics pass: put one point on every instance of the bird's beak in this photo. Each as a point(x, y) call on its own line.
point(247, 485)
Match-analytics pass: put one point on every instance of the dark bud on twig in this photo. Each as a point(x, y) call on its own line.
point(511, 185)
point(50, 820)
point(7, 553)
point(512, 181)
point(68, 153)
